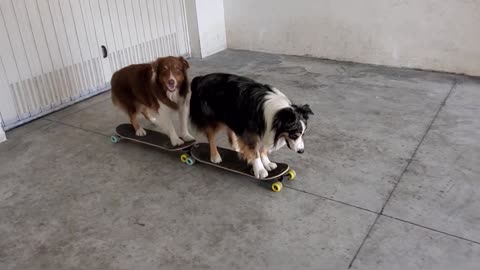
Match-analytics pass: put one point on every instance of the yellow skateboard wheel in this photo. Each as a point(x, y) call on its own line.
point(277, 186)
point(184, 158)
point(291, 174)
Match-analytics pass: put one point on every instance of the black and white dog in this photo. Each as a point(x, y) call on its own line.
point(259, 118)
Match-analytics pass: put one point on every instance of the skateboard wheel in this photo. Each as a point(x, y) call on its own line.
point(291, 174)
point(184, 158)
point(277, 186)
point(114, 139)
point(190, 161)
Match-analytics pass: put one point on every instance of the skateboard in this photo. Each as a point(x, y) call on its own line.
point(153, 138)
point(232, 162)
point(201, 152)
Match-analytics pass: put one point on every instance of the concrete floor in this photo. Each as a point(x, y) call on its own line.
point(389, 180)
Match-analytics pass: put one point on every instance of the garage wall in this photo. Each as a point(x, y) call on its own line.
point(426, 34)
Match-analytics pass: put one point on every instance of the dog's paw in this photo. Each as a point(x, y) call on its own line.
point(140, 132)
point(216, 159)
point(260, 173)
point(176, 141)
point(270, 166)
point(187, 137)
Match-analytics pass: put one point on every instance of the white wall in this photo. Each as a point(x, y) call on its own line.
point(206, 25)
point(3, 137)
point(426, 34)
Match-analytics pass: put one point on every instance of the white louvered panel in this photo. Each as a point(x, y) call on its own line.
point(51, 49)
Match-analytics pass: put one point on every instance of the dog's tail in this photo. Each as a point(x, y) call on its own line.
point(195, 90)
point(194, 84)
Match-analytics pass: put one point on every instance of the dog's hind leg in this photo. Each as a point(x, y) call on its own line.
point(146, 113)
point(139, 131)
point(211, 135)
point(232, 138)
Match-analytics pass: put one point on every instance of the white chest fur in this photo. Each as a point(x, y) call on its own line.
point(173, 96)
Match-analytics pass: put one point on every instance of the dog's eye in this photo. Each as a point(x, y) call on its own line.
point(293, 136)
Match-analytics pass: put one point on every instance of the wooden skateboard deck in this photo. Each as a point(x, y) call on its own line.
point(153, 138)
point(232, 162)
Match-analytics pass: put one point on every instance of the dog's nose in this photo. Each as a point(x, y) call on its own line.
point(300, 151)
point(171, 82)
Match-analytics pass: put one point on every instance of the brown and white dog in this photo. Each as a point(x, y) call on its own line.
point(155, 90)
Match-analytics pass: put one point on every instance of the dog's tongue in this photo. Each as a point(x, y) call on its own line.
point(171, 89)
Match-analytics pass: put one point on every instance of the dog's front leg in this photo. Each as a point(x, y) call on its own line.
point(249, 151)
point(253, 158)
point(165, 123)
point(183, 113)
point(266, 161)
point(258, 167)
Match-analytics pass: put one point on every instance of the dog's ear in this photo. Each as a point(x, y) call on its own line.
point(156, 65)
point(184, 88)
point(304, 110)
point(185, 63)
point(284, 119)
